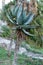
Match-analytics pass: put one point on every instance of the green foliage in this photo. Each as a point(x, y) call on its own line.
point(40, 6)
point(7, 6)
point(22, 59)
point(6, 31)
point(16, 16)
point(3, 54)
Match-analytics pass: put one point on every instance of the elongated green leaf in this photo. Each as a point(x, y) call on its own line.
point(10, 18)
point(19, 11)
point(27, 33)
point(24, 27)
point(19, 15)
point(24, 16)
point(15, 10)
point(30, 19)
point(27, 16)
point(28, 26)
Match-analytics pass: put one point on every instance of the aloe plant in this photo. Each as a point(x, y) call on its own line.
point(17, 16)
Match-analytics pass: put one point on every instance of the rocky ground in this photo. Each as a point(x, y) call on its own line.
point(5, 43)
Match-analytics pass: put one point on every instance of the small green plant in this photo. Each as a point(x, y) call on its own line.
point(6, 31)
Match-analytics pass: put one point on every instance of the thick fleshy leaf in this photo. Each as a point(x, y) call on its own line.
point(27, 16)
point(10, 14)
point(19, 16)
point(24, 13)
point(15, 10)
point(10, 18)
point(29, 19)
point(28, 26)
point(12, 8)
point(27, 33)
point(24, 16)
point(19, 11)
